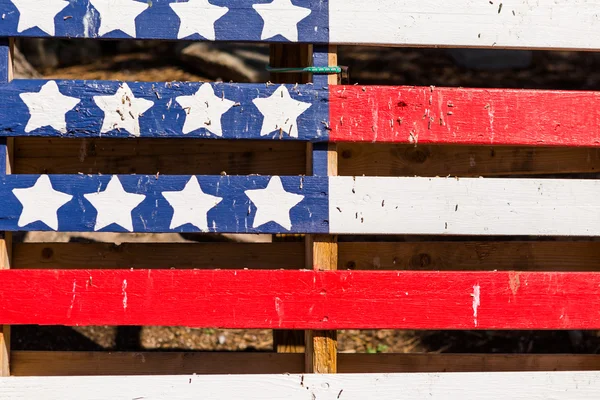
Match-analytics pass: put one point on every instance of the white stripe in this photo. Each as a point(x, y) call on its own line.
point(480, 23)
point(464, 206)
point(446, 386)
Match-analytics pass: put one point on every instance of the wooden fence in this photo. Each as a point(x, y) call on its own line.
point(301, 157)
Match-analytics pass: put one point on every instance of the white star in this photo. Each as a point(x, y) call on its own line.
point(204, 110)
point(198, 16)
point(118, 15)
point(41, 203)
point(122, 110)
point(114, 205)
point(40, 13)
point(191, 205)
point(273, 204)
point(281, 17)
point(48, 107)
point(280, 112)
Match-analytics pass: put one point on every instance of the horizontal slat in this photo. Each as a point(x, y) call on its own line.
point(302, 299)
point(231, 20)
point(542, 24)
point(496, 255)
point(262, 204)
point(532, 256)
point(418, 115)
point(450, 386)
point(450, 206)
point(158, 255)
point(152, 156)
point(165, 109)
point(225, 204)
point(56, 363)
point(255, 111)
point(380, 159)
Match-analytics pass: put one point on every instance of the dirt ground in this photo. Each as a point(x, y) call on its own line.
point(368, 65)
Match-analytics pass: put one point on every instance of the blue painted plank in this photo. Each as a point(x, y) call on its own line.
point(174, 109)
point(5, 76)
point(141, 203)
point(220, 20)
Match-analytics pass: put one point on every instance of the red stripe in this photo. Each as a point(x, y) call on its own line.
point(464, 116)
point(302, 299)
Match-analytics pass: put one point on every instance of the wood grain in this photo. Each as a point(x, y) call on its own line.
point(453, 206)
point(302, 299)
point(158, 255)
point(151, 156)
point(471, 256)
point(450, 386)
point(465, 161)
point(93, 109)
point(544, 24)
point(429, 115)
point(58, 363)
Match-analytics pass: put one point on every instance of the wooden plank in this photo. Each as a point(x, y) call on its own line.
point(465, 161)
point(544, 24)
point(469, 256)
point(450, 386)
point(336, 205)
point(58, 363)
point(395, 363)
point(151, 156)
point(419, 115)
point(166, 109)
point(449, 206)
point(158, 255)
point(302, 299)
point(141, 203)
point(278, 21)
point(6, 164)
point(403, 23)
point(322, 250)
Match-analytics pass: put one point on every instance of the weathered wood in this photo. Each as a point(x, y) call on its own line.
point(470, 256)
point(449, 386)
point(151, 156)
point(92, 109)
point(464, 161)
point(419, 115)
point(302, 299)
point(448, 206)
point(6, 167)
point(156, 203)
point(158, 255)
point(336, 205)
point(544, 24)
point(403, 23)
point(58, 363)
point(198, 20)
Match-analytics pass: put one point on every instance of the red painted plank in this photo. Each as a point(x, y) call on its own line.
point(464, 116)
point(302, 299)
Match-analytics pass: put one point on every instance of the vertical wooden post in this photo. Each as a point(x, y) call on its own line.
point(290, 56)
point(6, 75)
point(322, 250)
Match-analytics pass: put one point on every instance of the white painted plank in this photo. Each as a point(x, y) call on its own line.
point(567, 24)
point(464, 206)
point(446, 386)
